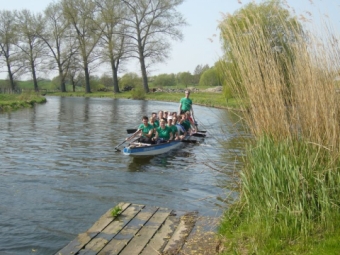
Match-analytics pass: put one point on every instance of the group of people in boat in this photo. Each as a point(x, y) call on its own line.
point(166, 126)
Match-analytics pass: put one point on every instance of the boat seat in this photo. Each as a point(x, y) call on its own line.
point(138, 144)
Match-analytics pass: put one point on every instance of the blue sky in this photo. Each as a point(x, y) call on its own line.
point(201, 44)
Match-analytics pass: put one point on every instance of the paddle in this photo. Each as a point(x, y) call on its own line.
point(189, 141)
point(198, 134)
point(117, 149)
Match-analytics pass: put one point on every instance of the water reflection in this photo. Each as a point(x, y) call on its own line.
point(139, 164)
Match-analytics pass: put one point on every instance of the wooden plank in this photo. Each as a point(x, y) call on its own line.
point(160, 239)
point(203, 238)
point(99, 242)
point(186, 224)
point(137, 244)
point(116, 245)
point(82, 239)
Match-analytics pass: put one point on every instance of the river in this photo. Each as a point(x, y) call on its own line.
point(59, 170)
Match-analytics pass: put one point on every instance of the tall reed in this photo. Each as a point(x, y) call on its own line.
point(290, 186)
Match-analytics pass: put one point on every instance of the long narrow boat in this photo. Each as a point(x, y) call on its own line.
point(144, 149)
point(197, 134)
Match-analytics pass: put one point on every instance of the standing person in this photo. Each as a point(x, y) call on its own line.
point(185, 104)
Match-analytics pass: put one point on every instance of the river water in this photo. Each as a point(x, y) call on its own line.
point(59, 170)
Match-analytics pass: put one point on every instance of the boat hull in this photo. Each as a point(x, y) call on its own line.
point(150, 150)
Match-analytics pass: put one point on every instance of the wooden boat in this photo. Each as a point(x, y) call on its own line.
point(145, 149)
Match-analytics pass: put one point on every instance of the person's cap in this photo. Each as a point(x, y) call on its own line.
point(170, 118)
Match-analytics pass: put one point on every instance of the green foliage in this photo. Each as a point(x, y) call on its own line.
point(290, 193)
point(164, 80)
point(12, 101)
point(106, 80)
point(185, 78)
point(138, 93)
point(253, 30)
point(130, 79)
point(116, 211)
point(210, 78)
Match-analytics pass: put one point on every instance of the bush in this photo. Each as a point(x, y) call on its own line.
point(138, 93)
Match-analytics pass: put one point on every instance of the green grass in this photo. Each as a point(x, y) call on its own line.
point(14, 101)
point(199, 98)
point(116, 211)
point(289, 201)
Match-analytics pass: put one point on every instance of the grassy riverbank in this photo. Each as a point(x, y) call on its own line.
point(210, 99)
point(14, 101)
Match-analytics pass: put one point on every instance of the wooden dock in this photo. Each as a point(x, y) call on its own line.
point(145, 230)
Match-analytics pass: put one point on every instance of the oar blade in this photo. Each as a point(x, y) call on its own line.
point(198, 135)
point(189, 141)
point(131, 130)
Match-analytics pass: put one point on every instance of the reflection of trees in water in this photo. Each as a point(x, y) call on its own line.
point(114, 112)
point(139, 164)
point(9, 122)
point(86, 109)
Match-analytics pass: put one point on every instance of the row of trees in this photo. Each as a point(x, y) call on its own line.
point(203, 75)
point(77, 36)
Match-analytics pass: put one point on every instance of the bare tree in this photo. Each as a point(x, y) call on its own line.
point(8, 49)
point(32, 47)
point(81, 14)
point(113, 40)
point(151, 23)
point(60, 41)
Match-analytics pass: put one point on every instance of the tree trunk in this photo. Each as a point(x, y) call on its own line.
point(87, 80)
point(35, 81)
point(115, 77)
point(144, 74)
point(10, 76)
point(62, 80)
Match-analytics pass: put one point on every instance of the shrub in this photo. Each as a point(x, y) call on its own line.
point(138, 93)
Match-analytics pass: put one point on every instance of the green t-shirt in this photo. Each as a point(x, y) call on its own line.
point(164, 133)
point(186, 104)
point(156, 123)
point(186, 124)
point(173, 129)
point(145, 129)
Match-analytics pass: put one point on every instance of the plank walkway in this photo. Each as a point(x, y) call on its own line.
point(144, 230)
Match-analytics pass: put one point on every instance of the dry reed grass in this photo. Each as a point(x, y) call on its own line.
point(290, 92)
point(287, 80)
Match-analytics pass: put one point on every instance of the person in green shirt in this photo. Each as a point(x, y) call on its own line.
point(163, 133)
point(156, 121)
point(185, 104)
point(145, 130)
point(173, 128)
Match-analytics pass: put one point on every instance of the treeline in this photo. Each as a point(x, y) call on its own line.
point(76, 37)
point(203, 76)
